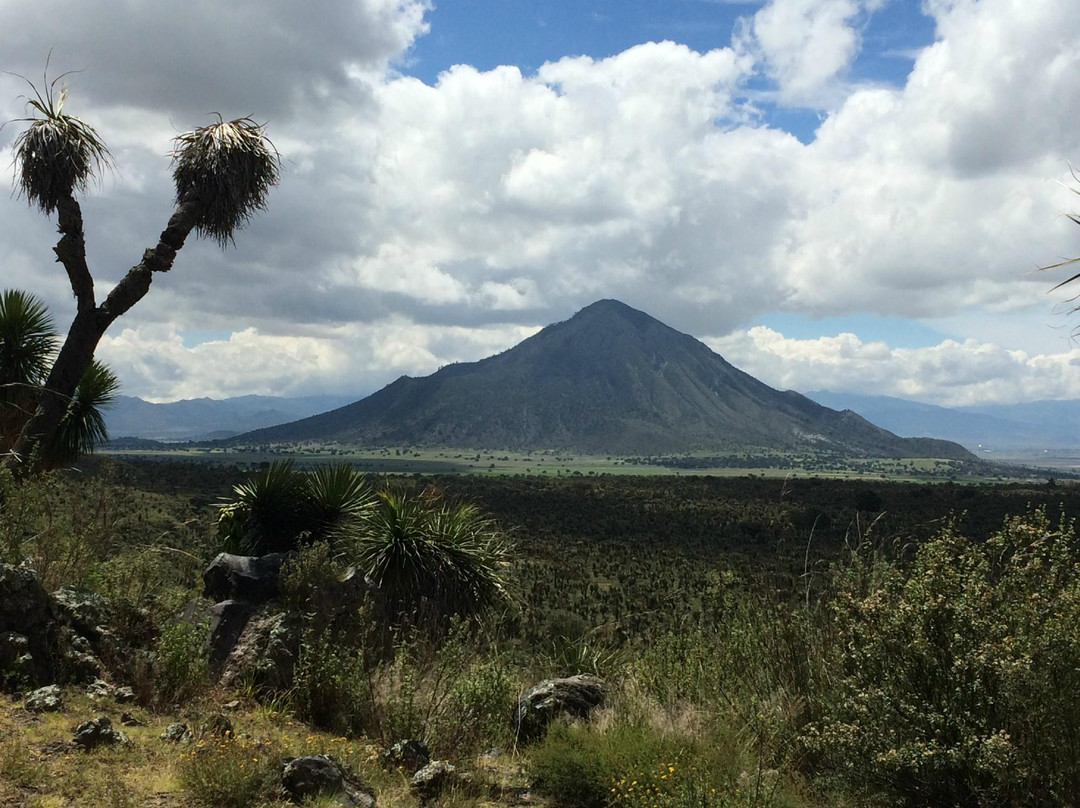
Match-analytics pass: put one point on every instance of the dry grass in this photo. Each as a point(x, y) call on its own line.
point(151, 773)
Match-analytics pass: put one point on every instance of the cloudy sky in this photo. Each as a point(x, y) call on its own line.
point(851, 195)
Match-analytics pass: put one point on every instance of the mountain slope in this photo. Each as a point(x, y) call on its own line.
point(610, 379)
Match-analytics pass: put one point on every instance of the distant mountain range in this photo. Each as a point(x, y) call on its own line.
point(1028, 427)
point(610, 379)
point(209, 419)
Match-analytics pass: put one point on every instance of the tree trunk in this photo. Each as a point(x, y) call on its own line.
point(91, 321)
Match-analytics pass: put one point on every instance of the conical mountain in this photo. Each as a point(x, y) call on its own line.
point(610, 379)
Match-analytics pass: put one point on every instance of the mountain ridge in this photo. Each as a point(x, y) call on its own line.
point(610, 379)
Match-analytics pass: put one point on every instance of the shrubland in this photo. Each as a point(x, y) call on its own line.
point(764, 643)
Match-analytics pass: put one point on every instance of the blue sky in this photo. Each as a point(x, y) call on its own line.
point(834, 194)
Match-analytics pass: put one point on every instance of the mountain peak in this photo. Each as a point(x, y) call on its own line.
point(610, 379)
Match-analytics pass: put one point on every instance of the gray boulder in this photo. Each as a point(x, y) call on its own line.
point(265, 654)
point(97, 732)
point(438, 776)
point(411, 756)
point(28, 613)
point(46, 699)
point(176, 733)
point(252, 578)
point(571, 697)
point(314, 776)
point(227, 622)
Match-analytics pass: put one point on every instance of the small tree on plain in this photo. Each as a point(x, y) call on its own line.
point(223, 173)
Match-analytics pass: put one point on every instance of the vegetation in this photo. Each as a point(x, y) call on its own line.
point(223, 173)
point(28, 344)
point(765, 643)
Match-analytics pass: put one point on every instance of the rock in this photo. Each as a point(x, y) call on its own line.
point(266, 652)
point(124, 695)
point(437, 776)
point(54, 748)
point(99, 689)
point(252, 578)
point(219, 726)
point(231, 705)
point(175, 733)
point(227, 622)
point(85, 612)
point(128, 720)
point(411, 755)
point(313, 776)
point(97, 732)
point(27, 612)
point(572, 697)
point(46, 699)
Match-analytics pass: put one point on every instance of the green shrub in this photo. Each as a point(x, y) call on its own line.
point(229, 772)
point(958, 676)
point(332, 686)
point(180, 662)
point(305, 574)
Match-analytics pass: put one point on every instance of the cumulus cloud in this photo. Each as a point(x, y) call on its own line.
point(806, 45)
point(952, 373)
point(493, 202)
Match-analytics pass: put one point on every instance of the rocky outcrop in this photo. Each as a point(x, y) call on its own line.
point(428, 784)
point(410, 756)
point(97, 732)
point(571, 697)
point(46, 699)
point(265, 653)
point(255, 579)
point(315, 776)
point(53, 638)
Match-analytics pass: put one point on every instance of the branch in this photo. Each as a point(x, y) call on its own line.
point(71, 252)
point(134, 286)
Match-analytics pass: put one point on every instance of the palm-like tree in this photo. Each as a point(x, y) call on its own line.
point(27, 346)
point(431, 559)
point(280, 508)
point(223, 173)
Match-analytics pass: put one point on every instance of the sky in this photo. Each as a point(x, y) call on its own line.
point(852, 195)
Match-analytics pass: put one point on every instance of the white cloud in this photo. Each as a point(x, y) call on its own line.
point(495, 202)
point(806, 45)
point(949, 374)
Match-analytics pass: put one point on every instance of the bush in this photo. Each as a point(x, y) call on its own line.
point(229, 772)
point(958, 676)
point(180, 662)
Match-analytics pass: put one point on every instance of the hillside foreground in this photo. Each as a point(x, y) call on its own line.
point(761, 642)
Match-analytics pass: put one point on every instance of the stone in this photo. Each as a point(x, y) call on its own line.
point(570, 697)
point(123, 695)
point(227, 622)
point(255, 579)
point(46, 699)
point(265, 654)
point(85, 612)
point(97, 732)
point(314, 776)
point(434, 778)
point(175, 733)
point(99, 689)
point(27, 611)
point(411, 756)
point(231, 705)
point(128, 720)
point(219, 726)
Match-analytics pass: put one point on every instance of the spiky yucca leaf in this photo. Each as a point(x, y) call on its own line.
point(426, 554)
point(228, 169)
point(58, 153)
point(27, 346)
point(337, 494)
point(267, 512)
point(83, 427)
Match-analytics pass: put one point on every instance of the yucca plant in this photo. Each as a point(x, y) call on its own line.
point(28, 343)
point(82, 428)
point(279, 508)
point(431, 559)
point(227, 168)
point(223, 173)
point(58, 153)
